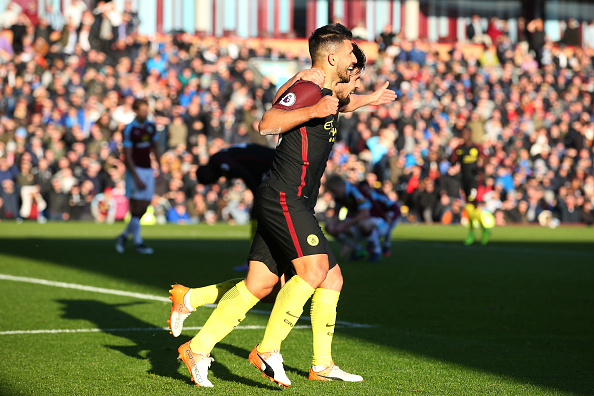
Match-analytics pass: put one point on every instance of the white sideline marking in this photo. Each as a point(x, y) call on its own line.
point(141, 296)
point(58, 331)
point(83, 287)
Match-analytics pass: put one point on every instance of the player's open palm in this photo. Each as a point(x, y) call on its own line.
point(383, 95)
point(328, 105)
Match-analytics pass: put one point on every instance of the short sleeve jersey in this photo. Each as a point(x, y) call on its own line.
point(382, 205)
point(468, 157)
point(140, 137)
point(302, 152)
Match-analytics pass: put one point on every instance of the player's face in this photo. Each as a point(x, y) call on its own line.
point(344, 90)
point(345, 60)
point(142, 112)
point(466, 135)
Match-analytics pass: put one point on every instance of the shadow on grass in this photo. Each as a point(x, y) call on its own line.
point(156, 347)
point(520, 310)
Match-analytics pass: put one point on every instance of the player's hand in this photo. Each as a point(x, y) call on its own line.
point(383, 95)
point(328, 105)
point(316, 76)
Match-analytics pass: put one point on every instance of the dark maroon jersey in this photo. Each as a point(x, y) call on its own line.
point(302, 152)
point(140, 137)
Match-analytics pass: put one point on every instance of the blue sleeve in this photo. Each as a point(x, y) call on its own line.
point(155, 135)
point(362, 202)
point(383, 199)
point(127, 136)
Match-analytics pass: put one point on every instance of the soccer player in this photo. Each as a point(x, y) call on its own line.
point(246, 161)
point(249, 162)
point(384, 212)
point(140, 138)
point(470, 157)
point(288, 234)
point(352, 219)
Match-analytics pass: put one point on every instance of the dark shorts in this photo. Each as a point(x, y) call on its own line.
point(469, 186)
point(287, 230)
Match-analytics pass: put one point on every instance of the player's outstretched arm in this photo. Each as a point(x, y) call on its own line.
point(276, 121)
point(379, 97)
point(314, 75)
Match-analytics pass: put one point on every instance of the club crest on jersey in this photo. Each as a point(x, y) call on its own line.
point(313, 240)
point(289, 99)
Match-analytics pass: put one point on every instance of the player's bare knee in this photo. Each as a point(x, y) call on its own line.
point(314, 274)
point(333, 280)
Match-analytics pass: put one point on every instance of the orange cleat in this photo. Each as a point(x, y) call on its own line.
point(271, 365)
point(198, 364)
point(179, 311)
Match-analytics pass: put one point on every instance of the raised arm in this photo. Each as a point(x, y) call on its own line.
point(299, 104)
point(276, 121)
point(379, 97)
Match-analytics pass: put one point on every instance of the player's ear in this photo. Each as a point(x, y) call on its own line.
point(332, 59)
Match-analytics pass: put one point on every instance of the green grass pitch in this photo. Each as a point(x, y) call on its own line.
point(515, 317)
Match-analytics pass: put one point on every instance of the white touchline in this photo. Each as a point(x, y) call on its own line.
point(141, 296)
point(131, 329)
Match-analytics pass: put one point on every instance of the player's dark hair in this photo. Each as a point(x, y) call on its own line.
point(334, 181)
point(361, 59)
point(327, 39)
point(206, 174)
point(139, 102)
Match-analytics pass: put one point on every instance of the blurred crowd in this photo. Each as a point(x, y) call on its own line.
point(67, 83)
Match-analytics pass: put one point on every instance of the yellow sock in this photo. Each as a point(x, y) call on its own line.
point(471, 211)
point(228, 314)
point(211, 294)
point(323, 319)
point(285, 313)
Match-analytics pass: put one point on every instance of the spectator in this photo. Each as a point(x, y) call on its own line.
point(10, 199)
point(476, 33)
point(568, 211)
point(103, 207)
point(178, 214)
point(9, 16)
point(537, 37)
point(386, 37)
point(7, 171)
point(30, 192)
point(79, 202)
point(571, 36)
point(58, 202)
point(19, 32)
point(74, 13)
point(54, 18)
point(360, 31)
